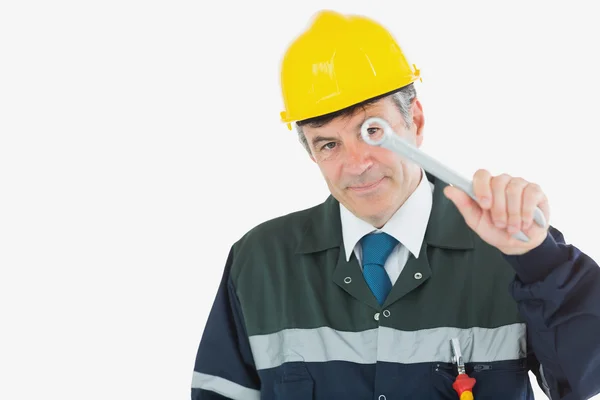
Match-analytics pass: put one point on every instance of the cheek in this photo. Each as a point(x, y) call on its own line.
point(387, 160)
point(332, 171)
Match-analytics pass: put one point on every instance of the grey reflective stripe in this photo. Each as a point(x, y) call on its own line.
point(313, 345)
point(476, 344)
point(386, 344)
point(224, 387)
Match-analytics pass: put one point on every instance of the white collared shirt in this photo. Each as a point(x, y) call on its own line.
point(407, 225)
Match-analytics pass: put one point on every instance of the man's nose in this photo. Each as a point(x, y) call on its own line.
point(358, 157)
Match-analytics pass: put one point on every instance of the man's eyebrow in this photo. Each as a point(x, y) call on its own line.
point(359, 125)
point(318, 139)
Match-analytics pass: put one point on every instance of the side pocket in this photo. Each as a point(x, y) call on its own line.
point(296, 383)
point(502, 380)
point(442, 378)
point(499, 380)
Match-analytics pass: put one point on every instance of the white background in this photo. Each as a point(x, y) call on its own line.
point(139, 140)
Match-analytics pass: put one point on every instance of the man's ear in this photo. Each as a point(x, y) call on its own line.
point(418, 120)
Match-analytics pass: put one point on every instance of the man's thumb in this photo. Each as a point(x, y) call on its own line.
point(469, 209)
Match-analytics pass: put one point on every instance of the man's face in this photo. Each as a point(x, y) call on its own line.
point(370, 181)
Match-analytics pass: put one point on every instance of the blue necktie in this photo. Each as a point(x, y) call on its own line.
point(376, 248)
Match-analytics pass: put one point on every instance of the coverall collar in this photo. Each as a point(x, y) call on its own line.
point(446, 227)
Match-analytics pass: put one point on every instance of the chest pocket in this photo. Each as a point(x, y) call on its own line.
point(495, 380)
point(295, 384)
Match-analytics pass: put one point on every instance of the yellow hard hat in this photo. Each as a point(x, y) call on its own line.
point(339, 61)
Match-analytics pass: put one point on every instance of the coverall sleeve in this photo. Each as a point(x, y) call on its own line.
point(224, 367)
point(557, 289)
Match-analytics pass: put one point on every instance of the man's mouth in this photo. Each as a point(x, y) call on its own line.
point(364, 188)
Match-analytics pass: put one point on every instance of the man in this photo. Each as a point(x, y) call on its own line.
point(359, 297)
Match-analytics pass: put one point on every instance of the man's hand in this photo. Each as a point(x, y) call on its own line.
point(505, 206)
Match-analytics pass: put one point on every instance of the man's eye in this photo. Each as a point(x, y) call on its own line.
point(328, 146)
point(372, 130)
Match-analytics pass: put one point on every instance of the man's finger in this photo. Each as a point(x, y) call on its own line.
point(514, 203)
point(482, 188)
point(469, 209)
point(533, 197)
point(498, 210)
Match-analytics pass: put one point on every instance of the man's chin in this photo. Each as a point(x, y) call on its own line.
point(370, 207)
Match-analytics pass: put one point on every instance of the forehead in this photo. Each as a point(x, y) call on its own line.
point(352, 121)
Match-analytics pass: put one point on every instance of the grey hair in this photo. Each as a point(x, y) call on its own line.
point(402, 98)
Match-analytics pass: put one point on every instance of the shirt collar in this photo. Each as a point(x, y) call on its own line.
point(407, 225)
